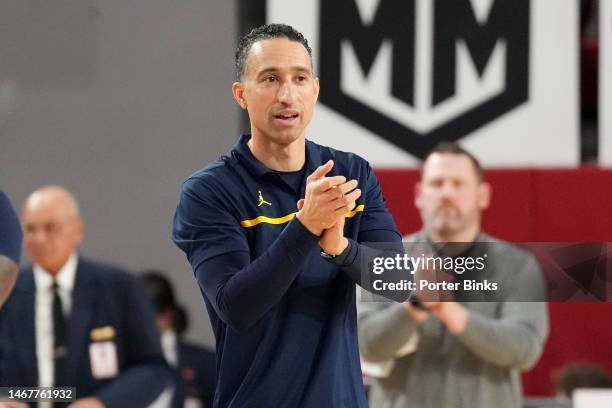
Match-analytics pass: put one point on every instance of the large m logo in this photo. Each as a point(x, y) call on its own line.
point(417, 72)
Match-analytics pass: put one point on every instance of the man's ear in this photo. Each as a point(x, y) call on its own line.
point(317, 88)
point(238, 93)
point(417, 195)
point(79, 231)
point(484, 196)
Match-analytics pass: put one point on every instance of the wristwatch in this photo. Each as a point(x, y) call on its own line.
point(327, 256)
point(331, 257)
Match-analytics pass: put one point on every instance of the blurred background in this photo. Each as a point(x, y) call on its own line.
point(120, 101)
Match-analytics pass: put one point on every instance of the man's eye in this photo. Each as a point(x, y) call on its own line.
point(51, 228)
point(301, 78)
point(270, 79)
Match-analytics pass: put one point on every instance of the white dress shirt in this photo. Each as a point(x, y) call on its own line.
point(170, 349)
point(43, 314)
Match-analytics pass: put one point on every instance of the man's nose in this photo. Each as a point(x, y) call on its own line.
point(447, 190)
point(37, 236)
point(286, 93)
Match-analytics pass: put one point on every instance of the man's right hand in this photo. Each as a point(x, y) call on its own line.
point(326, 199)
point(420, 315)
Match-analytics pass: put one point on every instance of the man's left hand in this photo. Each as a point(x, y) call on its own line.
point(332, 239)
point(452, 314)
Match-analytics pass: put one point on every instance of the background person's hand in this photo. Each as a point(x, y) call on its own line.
point(427, 271)
point(417, 313)
point(454, 315)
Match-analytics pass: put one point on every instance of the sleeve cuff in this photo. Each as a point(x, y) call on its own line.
point(348, 256)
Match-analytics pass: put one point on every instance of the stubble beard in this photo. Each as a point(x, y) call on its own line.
point(446, 225)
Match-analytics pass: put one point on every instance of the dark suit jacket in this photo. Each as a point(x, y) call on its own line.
point(102, 297)
point(196, 375)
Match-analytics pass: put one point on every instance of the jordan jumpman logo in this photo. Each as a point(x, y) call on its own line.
point(262, 200)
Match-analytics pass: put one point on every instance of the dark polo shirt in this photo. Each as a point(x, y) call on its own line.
point(284, 318)
point(10, 230)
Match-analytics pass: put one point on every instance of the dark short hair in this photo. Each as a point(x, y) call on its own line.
point(582, 375)
point(161, 295)
point(265, 32)
point(159, 290)
point(454, 148)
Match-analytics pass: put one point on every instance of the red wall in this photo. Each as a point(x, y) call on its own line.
point(530, 205)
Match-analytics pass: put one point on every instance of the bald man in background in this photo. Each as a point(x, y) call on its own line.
point(10, 246)
point(76, 323)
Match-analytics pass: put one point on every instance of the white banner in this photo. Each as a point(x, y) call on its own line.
point(398, 77)
point(605, 83)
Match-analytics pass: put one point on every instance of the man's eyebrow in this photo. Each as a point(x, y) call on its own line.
point(298, 68)
point(267, 70)
point(302, 68)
